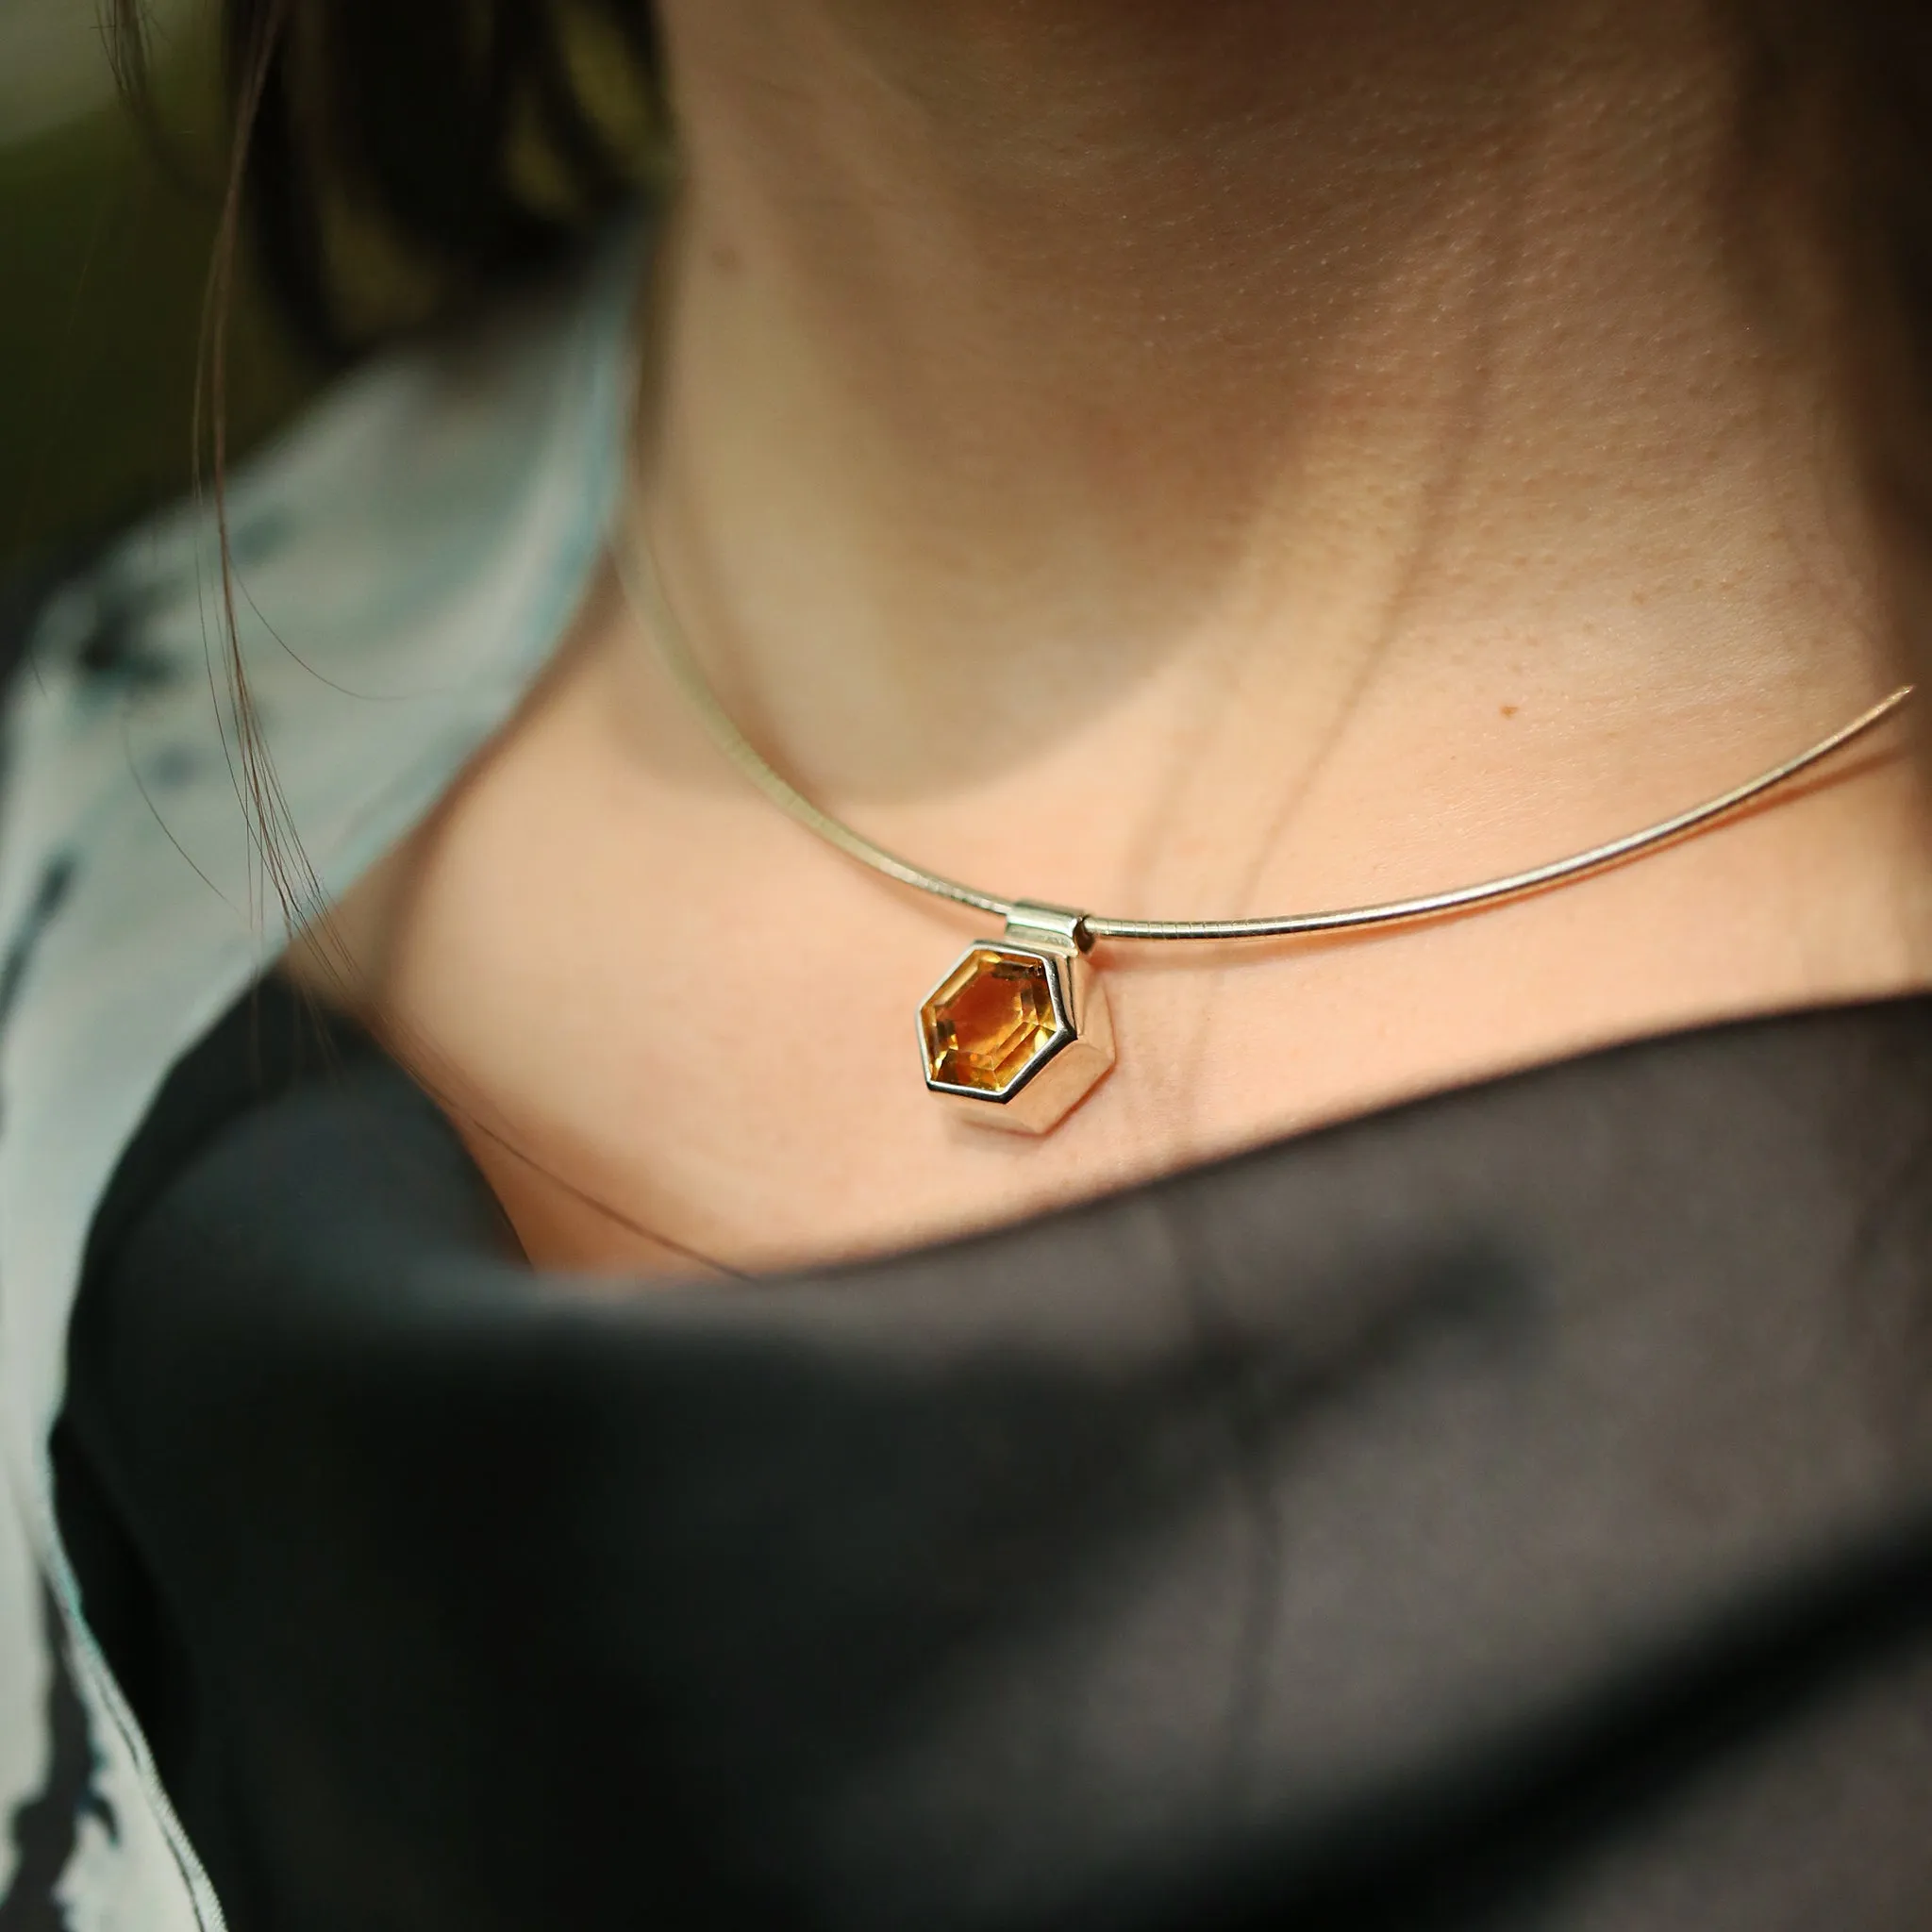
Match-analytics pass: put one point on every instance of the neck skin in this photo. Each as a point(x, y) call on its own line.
point(1261, 391)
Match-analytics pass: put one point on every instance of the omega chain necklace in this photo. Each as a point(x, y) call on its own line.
point(1017, 1033)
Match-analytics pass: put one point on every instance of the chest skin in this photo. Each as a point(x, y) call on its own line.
point(669, 1024)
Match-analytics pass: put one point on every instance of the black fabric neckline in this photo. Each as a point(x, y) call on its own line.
point(1507, 1507)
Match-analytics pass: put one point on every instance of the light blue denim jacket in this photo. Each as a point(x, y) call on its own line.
point(406, 561)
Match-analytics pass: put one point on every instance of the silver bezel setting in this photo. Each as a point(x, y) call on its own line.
point(1061, 1072)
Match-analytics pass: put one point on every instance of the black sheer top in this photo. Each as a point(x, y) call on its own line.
point(1512, 1510)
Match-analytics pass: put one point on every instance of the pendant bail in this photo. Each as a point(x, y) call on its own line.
point(1056, 924)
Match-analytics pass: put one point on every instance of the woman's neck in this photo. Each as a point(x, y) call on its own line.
point(1028, 355)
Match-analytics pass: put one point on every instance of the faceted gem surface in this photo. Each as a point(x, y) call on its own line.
point(988, 1020)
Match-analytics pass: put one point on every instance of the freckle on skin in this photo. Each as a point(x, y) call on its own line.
point(1508, 710)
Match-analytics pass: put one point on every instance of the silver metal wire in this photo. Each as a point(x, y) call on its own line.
point(651, 608)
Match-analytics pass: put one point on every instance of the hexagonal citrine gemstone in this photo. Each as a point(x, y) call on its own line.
point(988, 1020)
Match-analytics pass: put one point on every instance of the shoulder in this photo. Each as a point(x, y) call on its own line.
point(404, 561)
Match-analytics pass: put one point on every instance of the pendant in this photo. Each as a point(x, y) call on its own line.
point(1018, 1032)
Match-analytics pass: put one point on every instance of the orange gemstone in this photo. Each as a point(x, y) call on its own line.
point(989, 1020)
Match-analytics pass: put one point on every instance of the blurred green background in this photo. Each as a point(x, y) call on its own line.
point(106, 232)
